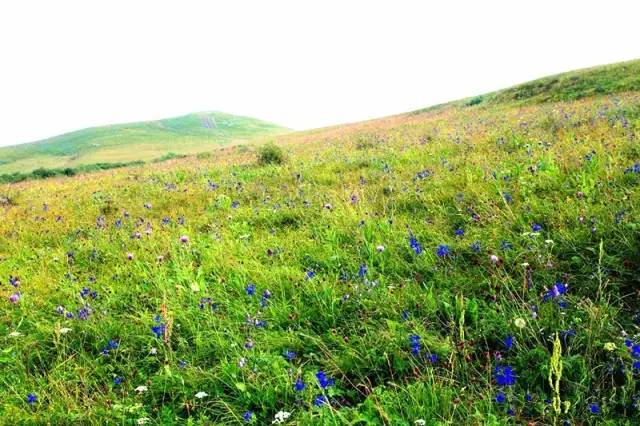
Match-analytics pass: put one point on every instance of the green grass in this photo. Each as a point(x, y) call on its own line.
point(147, 141)
point(596, 81)
point(328, 233)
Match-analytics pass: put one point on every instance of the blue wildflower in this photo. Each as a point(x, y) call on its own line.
point(289, 355)
point(508, 342)
point(251, 289)
point(362, 271)
point(414, 341)
point(117, 380)
point(415, 245)
point(501, 398)
point(158, 330)
point(536, 227)
point(459, 232)
point(247, 416)
point(323, 380)
point(443, 250)
point(475, 246)
point(310, 274)
point(507, 197)
point(320, 400)
point(299, 385)
point(505, 375)
point(594, 408)
point(32, 398)
point(84, 313)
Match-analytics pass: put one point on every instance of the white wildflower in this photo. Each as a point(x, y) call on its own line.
point(141, 389)
point(420, 422)
point(201, 395)
point(143, 420)
point(281, 417)
point(15, 334)
point(520, 322)
point(65, 330)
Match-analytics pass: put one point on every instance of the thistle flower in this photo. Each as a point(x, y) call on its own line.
point(184, 239)
point(14, 298)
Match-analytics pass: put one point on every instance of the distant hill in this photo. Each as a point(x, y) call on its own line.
point(569, 86)
point(148, 140)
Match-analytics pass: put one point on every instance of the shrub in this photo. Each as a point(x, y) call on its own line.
point(475, 101)
point(270, 154)
point(204, 155)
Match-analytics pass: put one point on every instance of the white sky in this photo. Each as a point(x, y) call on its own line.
point(66, 65)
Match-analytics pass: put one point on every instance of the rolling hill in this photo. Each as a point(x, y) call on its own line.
point(148, 140)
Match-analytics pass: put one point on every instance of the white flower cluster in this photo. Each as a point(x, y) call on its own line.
point(281, 417)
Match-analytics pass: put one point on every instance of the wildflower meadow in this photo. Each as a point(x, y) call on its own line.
point(473, 263)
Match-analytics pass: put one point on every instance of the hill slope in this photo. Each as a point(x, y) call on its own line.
point(473, 264)
point(135, 141)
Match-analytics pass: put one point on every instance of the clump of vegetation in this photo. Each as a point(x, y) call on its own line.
point(475, 101)
point(169, 156)
point(369, 140)
point(43, 173)
point(270, 154)
point(204, 155)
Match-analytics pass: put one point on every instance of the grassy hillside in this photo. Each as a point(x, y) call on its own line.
point(144, 141)
point(472, 265)
point(597, 81)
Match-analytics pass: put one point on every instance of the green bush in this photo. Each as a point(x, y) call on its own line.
point(270, 154)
